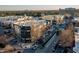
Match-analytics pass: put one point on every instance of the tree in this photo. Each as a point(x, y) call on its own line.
point(66, 38)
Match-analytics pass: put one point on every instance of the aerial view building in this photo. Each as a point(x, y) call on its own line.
point(39, 31)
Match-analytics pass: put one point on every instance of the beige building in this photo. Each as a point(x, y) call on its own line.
point(58, 18)
point(37, 26)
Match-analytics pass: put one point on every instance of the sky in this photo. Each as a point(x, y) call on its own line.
point(35, 7)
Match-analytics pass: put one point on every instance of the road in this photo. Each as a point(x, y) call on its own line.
point(49, 45)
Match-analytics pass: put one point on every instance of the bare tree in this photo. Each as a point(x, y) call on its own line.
point(66, 38)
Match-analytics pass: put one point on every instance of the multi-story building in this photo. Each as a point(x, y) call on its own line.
point(70, 11)
point(29, 28)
